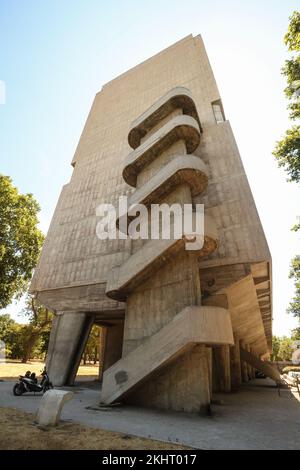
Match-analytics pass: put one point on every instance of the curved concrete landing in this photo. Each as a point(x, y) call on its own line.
point(178, 128)
point(178, 97)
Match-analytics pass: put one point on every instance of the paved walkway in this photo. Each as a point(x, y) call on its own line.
point(254, 418)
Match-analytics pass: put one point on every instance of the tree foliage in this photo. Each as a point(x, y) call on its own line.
point(37, 331)
point(294, 306)
point(20, 240)
point(292, 36)
point(287, 150)
point(91, 352)
point(30, 340)
point(287, 153)
point(282, 348)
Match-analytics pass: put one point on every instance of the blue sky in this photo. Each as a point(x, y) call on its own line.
point(55, 55)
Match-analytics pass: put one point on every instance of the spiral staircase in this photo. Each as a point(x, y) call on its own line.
point(163, 141)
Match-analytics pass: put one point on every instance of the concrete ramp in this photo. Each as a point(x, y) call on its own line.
point(193, 325)
point(264, 367)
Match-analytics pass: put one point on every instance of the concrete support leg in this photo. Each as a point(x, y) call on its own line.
point(113, 344)
point(249, 367)
point(252, 368)
point(244, 366)
point(204, 381)
point(235, 365)
point(210, 371)
point(69, 334)
point(222, 364)
point(102, 342)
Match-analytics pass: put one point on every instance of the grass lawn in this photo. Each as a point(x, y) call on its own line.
point(10, 370)
point(19, 432)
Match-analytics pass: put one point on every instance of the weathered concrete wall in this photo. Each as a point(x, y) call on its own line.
point(72, 255)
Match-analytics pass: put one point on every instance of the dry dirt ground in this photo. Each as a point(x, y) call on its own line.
point(12, 369)
point(19, 432)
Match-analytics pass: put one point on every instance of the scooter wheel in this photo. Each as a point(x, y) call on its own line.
point(17, 390)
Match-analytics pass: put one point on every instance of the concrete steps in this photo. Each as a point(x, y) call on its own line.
point(193, 325)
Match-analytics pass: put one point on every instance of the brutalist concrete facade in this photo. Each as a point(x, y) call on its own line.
point(177, 325)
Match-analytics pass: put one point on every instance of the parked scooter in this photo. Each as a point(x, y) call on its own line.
point(29, 383)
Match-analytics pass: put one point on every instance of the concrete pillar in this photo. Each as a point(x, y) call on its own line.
point(113, 344)
point(249, 367)
point(203, 372)
point(210, 371)
point(220, 374)
point(235, 365)
point(244, 367)
point(69, 334)
point(222, 364)
point(252, 368)
point(102, 342)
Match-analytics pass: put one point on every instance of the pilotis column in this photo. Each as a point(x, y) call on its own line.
point(69, 334)
point(244, 366)
point(235, 365)
point(249, 367)
point(102, 341)
point(222, 364)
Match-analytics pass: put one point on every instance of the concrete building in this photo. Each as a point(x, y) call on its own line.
point(177, 325)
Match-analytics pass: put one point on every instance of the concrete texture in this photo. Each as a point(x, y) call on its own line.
point(255, 418)
point(51, 406)
point(158, 133)
point(194, 325)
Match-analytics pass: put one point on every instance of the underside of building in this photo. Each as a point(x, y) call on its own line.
point(177, 324)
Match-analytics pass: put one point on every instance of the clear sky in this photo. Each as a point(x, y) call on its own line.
point(55, 56)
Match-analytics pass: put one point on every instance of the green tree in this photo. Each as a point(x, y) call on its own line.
point(275, 348)
point(91, 352)
point(288, 153)
point(282, 348)
point(295, 334)
point(294, 306)
point(285, 349)
point(292, 37)
point(8, 333)
point(287, 150)
point(37, 331)
point(20, 240)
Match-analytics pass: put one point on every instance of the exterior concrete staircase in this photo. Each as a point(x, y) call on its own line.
point(193, 325)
